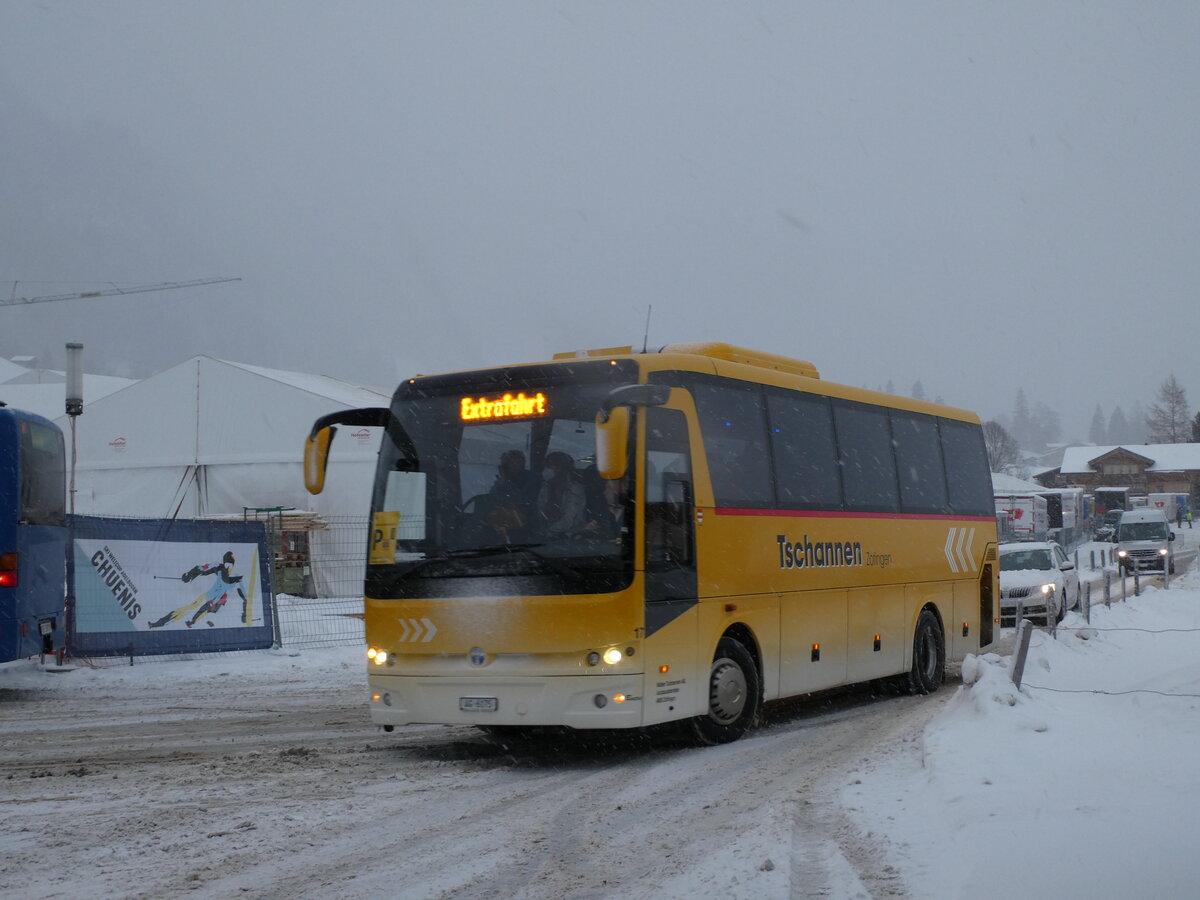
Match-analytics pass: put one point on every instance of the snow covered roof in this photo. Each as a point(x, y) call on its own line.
point(1006, 484)
point(1167, 457)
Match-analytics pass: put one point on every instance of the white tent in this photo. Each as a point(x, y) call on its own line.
point(44, 391)
point(210, 437)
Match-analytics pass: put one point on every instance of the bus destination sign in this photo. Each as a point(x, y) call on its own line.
point(481, 409)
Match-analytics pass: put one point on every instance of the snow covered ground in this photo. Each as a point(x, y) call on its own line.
point(258, 774)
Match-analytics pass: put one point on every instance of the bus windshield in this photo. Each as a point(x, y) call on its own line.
point(484, 486)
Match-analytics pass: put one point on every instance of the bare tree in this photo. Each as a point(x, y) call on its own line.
point(1003, 453)
point(1169, 420)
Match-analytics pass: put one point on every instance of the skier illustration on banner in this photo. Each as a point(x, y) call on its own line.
point(216, 595)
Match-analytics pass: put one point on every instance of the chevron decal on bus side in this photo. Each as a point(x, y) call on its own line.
point(417, 630)
point(958, 549)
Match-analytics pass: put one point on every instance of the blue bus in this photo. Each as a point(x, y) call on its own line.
point(33, 535)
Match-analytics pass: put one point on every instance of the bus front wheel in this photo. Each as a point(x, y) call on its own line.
point(734, 695)
point(929, 655)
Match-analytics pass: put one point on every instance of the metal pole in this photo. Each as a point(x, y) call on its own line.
point(1024, 633)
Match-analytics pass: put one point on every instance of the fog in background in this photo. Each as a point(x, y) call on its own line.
point(976, 196)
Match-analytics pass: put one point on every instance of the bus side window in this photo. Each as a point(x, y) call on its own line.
point(669, 494)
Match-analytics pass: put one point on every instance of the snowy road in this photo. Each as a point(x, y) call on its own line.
point(259, 774)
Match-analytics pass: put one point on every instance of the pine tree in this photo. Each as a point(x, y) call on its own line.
point(1118, 428)
point(1196, 429)
point(1169, 420)
point(1021, 423)
point(1098, 432)
point(918, 391)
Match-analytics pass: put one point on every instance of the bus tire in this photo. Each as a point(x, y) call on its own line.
point(929, 655)
point(734, 695)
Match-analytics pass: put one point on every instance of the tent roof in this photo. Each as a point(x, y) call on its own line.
point(352, 395)
point(48, 398)
point(208, 411)
point(10, 370)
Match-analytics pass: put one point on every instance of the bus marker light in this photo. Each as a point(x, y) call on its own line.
point(612, 656)
point(966, 629)
point(730, 607)
point(371, 651)
point(618, 698)
point(878, 643)
point(664, 669)
point(816, 652)
point(376, 697)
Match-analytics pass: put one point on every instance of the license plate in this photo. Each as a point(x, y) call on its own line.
point(478, 704)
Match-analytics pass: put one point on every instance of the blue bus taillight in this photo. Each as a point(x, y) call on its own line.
point(8, 569)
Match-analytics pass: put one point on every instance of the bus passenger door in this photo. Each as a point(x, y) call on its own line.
point(673, 687)
point(670, 510)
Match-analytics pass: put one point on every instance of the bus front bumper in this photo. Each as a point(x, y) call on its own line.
point(586, 702)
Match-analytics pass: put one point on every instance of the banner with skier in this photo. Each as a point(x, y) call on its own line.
point(170, 586)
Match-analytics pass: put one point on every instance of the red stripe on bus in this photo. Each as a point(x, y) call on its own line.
point(838, 514)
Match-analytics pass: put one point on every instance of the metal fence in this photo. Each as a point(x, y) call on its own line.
point(318, 579)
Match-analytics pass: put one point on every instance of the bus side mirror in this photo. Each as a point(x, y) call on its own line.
point(612, 443)
point(316, 458)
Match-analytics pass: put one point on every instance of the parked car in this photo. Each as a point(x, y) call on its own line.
point(1107, 526)
point(1143, 540)
point(1039, 578)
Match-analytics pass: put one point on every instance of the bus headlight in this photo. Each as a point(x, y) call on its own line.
point(379, 657)
point(612, 656)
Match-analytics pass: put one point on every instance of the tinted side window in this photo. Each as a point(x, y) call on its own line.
point(868, 467)
point(734, 428)
point(43, 475)
point(919, 463)
point(807, 475)
point(968, 475)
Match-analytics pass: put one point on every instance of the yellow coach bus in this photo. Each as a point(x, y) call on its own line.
point(616, 540)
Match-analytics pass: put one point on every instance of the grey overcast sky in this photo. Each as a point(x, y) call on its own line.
point(980, 196)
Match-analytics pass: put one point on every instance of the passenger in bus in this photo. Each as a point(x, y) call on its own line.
point(605, 505)
point(562, 500)
point(510, 501)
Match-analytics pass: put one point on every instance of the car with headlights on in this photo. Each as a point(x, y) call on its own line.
point(1038, 579)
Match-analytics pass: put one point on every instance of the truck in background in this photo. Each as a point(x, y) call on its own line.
point(1067, 514)
point(1022, 517)
point(1175, 506)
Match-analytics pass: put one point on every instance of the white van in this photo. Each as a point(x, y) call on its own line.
point(1143, 540)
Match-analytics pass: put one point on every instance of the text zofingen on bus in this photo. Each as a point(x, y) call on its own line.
point(617, 540)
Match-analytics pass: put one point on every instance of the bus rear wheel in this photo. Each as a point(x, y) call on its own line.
point(929, 655)
point(734, 695)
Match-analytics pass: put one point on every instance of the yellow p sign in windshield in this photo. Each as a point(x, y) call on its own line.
point(506, 407)
point(384, 526)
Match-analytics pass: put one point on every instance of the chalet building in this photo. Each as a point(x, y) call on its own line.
point(1144, 468)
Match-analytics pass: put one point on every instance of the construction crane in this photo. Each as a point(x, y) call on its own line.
point(136, 289)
